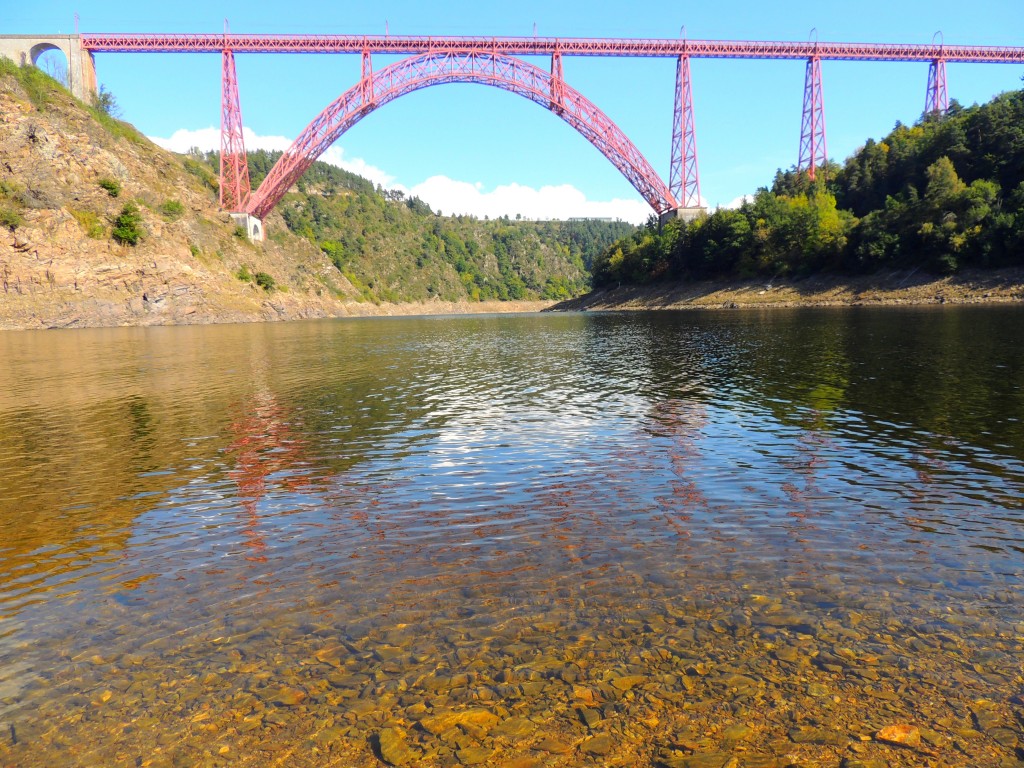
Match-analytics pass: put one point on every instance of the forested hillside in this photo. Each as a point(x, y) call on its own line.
point(393, 248)
point(941, 195)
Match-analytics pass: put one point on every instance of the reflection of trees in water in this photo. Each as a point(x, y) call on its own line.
point(76, 476)
point(917, 394)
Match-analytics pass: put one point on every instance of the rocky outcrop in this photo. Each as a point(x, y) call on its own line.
point(60, 266)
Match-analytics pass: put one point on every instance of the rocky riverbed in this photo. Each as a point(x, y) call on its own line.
point(712, 676)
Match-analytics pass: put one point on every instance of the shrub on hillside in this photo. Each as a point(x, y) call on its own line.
point(89, 222)
point(172, 209)
point(10, 218)
point(128, 225)
point(113, 186)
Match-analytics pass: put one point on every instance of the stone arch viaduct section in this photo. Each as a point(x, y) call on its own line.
point(26, 49)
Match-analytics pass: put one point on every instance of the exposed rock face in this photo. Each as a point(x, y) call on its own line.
point(59, 267)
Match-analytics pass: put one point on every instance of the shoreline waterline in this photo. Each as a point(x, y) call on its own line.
point(899, 288)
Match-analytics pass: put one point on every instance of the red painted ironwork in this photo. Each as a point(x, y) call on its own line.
point(813, 148)
point(367, 79)
point(234, 167)
point(684, 178)
point(683, 174)
point(568, 46)
point(937, 99)
point(435, 68)
point(557, 82)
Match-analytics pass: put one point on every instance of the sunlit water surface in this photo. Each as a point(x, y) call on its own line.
point(544, 540)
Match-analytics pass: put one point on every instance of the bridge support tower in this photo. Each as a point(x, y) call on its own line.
point(234, 163)
point(26, 49)
point(813, 148)
point(937, 100)
point(684, 177)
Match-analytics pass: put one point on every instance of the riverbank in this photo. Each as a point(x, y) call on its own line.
point(889, 288)
point(367, 309)
point(20, 312)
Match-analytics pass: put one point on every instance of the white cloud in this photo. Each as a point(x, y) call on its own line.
point(737, 202)
point(208, 139)
point(450, 196)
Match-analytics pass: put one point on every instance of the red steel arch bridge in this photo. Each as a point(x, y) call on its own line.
point(496, 61)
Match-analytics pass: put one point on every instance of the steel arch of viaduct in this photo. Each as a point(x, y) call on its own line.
point(471, 66)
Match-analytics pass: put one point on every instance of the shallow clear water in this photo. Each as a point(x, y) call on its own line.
point(539, 540)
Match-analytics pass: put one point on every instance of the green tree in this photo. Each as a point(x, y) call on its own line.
point(128, 228)
point(105, 102)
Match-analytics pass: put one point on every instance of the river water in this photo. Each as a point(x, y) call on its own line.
point(743, 539)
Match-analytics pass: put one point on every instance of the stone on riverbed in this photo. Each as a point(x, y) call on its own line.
point(707, 760)
point(288, 697)
point(597, 745)
point(482, 718)
point(474, 755)
point(394, 749)
point(552, 745)
point(901, 735)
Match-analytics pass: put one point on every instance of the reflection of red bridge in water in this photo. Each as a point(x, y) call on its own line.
point(493, 61)
point(264, 446)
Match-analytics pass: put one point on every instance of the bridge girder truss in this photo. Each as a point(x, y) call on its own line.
point(545, 46)
point(376, 89)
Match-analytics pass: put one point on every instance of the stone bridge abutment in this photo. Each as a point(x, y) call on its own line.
point(26, 49)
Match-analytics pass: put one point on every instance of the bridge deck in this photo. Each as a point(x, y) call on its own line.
point(566, 46)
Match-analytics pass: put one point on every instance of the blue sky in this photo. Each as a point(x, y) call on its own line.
point(474, 149)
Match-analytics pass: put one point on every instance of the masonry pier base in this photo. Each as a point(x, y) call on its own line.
point(253, 226)
point(686, 214)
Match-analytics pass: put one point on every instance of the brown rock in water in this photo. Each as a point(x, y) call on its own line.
point(440, 723)
point(332, 655)
point(394, 749)
point(288, 697)
point(515, 727)
point(856, 762)
point(590, 717)
point(598, 745)
point(552, 745)
point(521, 762)
point(737, 732)
point(900, 735)
point(707, 760)
point(626, 682)
point(474, 755)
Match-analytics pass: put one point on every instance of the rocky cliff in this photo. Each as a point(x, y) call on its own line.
point(66, 173)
